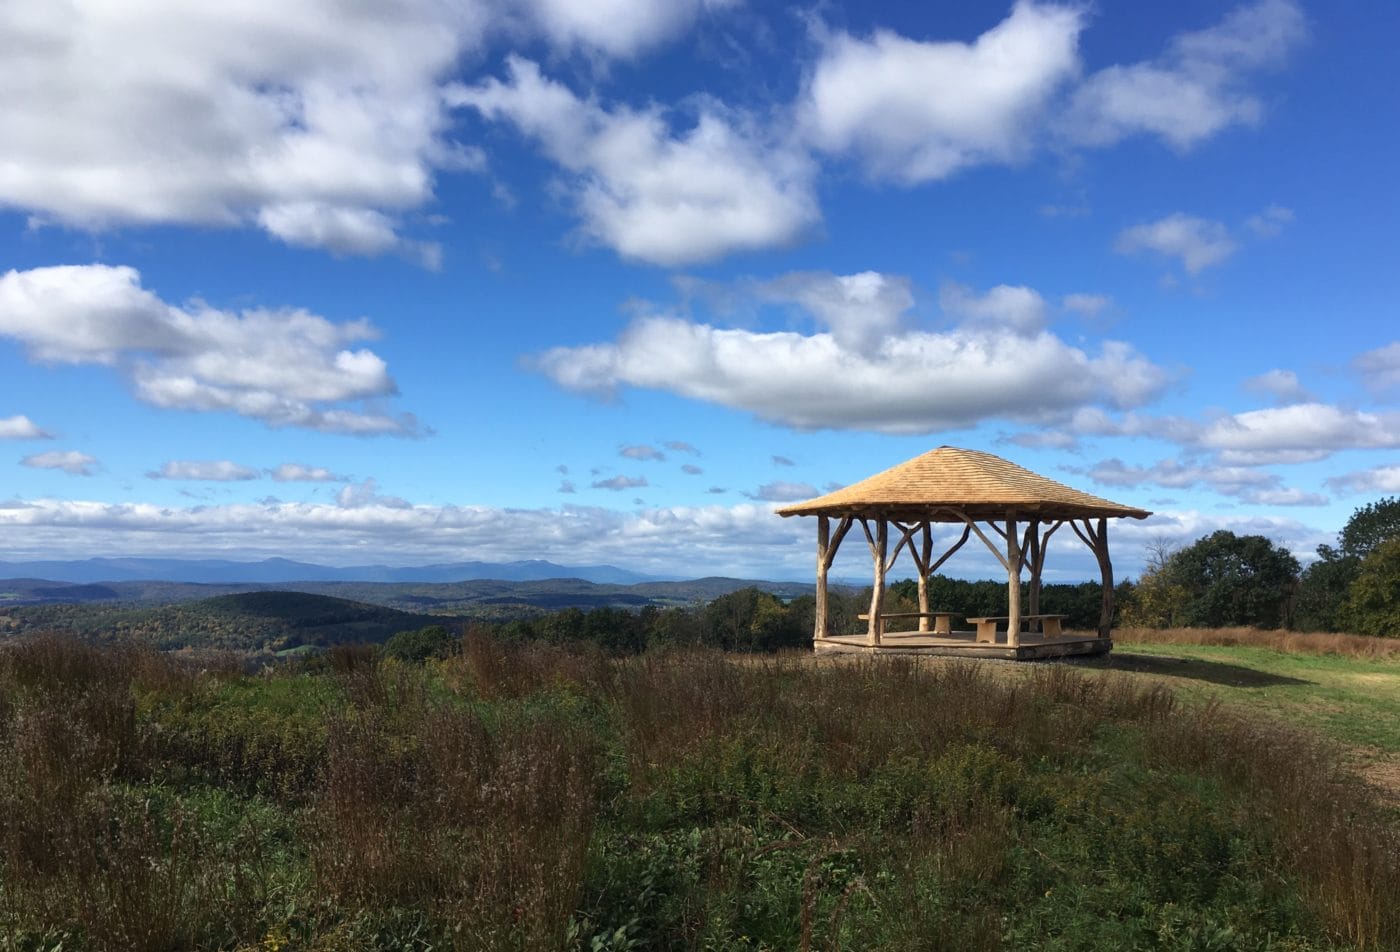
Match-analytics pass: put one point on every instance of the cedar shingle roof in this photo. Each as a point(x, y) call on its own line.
point(978, 484)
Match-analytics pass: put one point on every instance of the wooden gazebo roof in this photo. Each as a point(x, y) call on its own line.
point(950, 484)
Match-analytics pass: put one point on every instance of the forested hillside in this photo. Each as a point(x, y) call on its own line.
point(254, 621)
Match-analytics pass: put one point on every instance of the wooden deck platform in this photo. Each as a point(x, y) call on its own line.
point(964, 644)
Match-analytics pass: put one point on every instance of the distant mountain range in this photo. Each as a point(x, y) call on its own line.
point(277, 571)
point(468, 598)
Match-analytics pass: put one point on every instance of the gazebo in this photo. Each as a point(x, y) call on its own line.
point(982, 494)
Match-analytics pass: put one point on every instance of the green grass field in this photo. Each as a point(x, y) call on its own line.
point(1354, 701)
point(1350, 700)
point(533, 798)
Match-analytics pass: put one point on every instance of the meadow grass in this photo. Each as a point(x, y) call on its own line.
point(1344, 687)
point(523, 797)
point(1354, 701)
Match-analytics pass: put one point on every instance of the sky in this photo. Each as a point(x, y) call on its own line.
point(605, 281)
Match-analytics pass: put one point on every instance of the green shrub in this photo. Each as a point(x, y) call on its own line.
point(430, 641)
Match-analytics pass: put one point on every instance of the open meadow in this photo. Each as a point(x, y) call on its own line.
point(532, 797)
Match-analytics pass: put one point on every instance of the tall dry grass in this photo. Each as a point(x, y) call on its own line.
point(1343, 849)
point(428, 805)
point(78, 852)
point(1363, 647)
point(852, 718)
point(469, 794)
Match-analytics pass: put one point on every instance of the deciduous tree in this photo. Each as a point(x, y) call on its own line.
point(1373, 600)
point(1234, 580)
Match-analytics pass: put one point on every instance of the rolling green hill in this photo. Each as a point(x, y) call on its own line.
point(476, 598)
point(249, 621)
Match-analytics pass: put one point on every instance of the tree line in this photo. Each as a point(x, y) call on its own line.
point(1224, 580)
point(1220, 580)
point(749, 619)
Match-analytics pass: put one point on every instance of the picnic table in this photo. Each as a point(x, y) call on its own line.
point(987, 625)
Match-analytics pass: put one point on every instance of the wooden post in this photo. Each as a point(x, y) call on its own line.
point(1097, 541)
point(823, 543)
point(1013, 582)
point(1035, 561)
point(1106, 569)
point(879, 547)
point(926, 554)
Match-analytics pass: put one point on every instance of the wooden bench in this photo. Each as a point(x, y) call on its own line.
point(987, 626)
point(942, 621)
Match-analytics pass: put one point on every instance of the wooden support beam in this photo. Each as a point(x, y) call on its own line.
point(1096, 538)
point(1030, 557)
point(842, 528)
point(972, 526)
point(1040, 543)
point(823, 543)
point(827, 544)
point(879, 548)
point(921, 559)
point(1014, 561)
point(967, 534)
point(1106, 570)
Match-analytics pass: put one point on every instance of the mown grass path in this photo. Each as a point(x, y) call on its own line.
point(1352, 701)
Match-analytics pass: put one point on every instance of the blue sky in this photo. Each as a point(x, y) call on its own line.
point(605, 282)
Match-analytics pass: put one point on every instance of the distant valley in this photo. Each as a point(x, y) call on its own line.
point(176, 603)
point(470, 598)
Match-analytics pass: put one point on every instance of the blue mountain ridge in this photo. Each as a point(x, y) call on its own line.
point(275, 570)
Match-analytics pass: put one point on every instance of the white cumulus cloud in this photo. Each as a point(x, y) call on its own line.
point(1303, 431)
point(321, 121)
point(619, 483)
point(301, 473)
point(1245, 483)
point(366, 495)
point(616, 27)
point(1087, 305)
point(1270, 222)
point(1282, 385)
point(641, 452)
point(70, 461)
point(20, 427)
point(781, 491)
point(915, 381)
point(1196, 242)
point(1196, 88)
point(1019, 309)
point(744, 540)
point(1385, 479)
point(218, 470)
point(649, 193)
point(861, 310)
point(284, 367)
point(915, 111)
point(1380, 368)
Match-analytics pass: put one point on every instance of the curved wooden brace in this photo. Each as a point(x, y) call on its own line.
point(967, 534)
point(842, 528)
point(982, 535)
point(905, 538)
